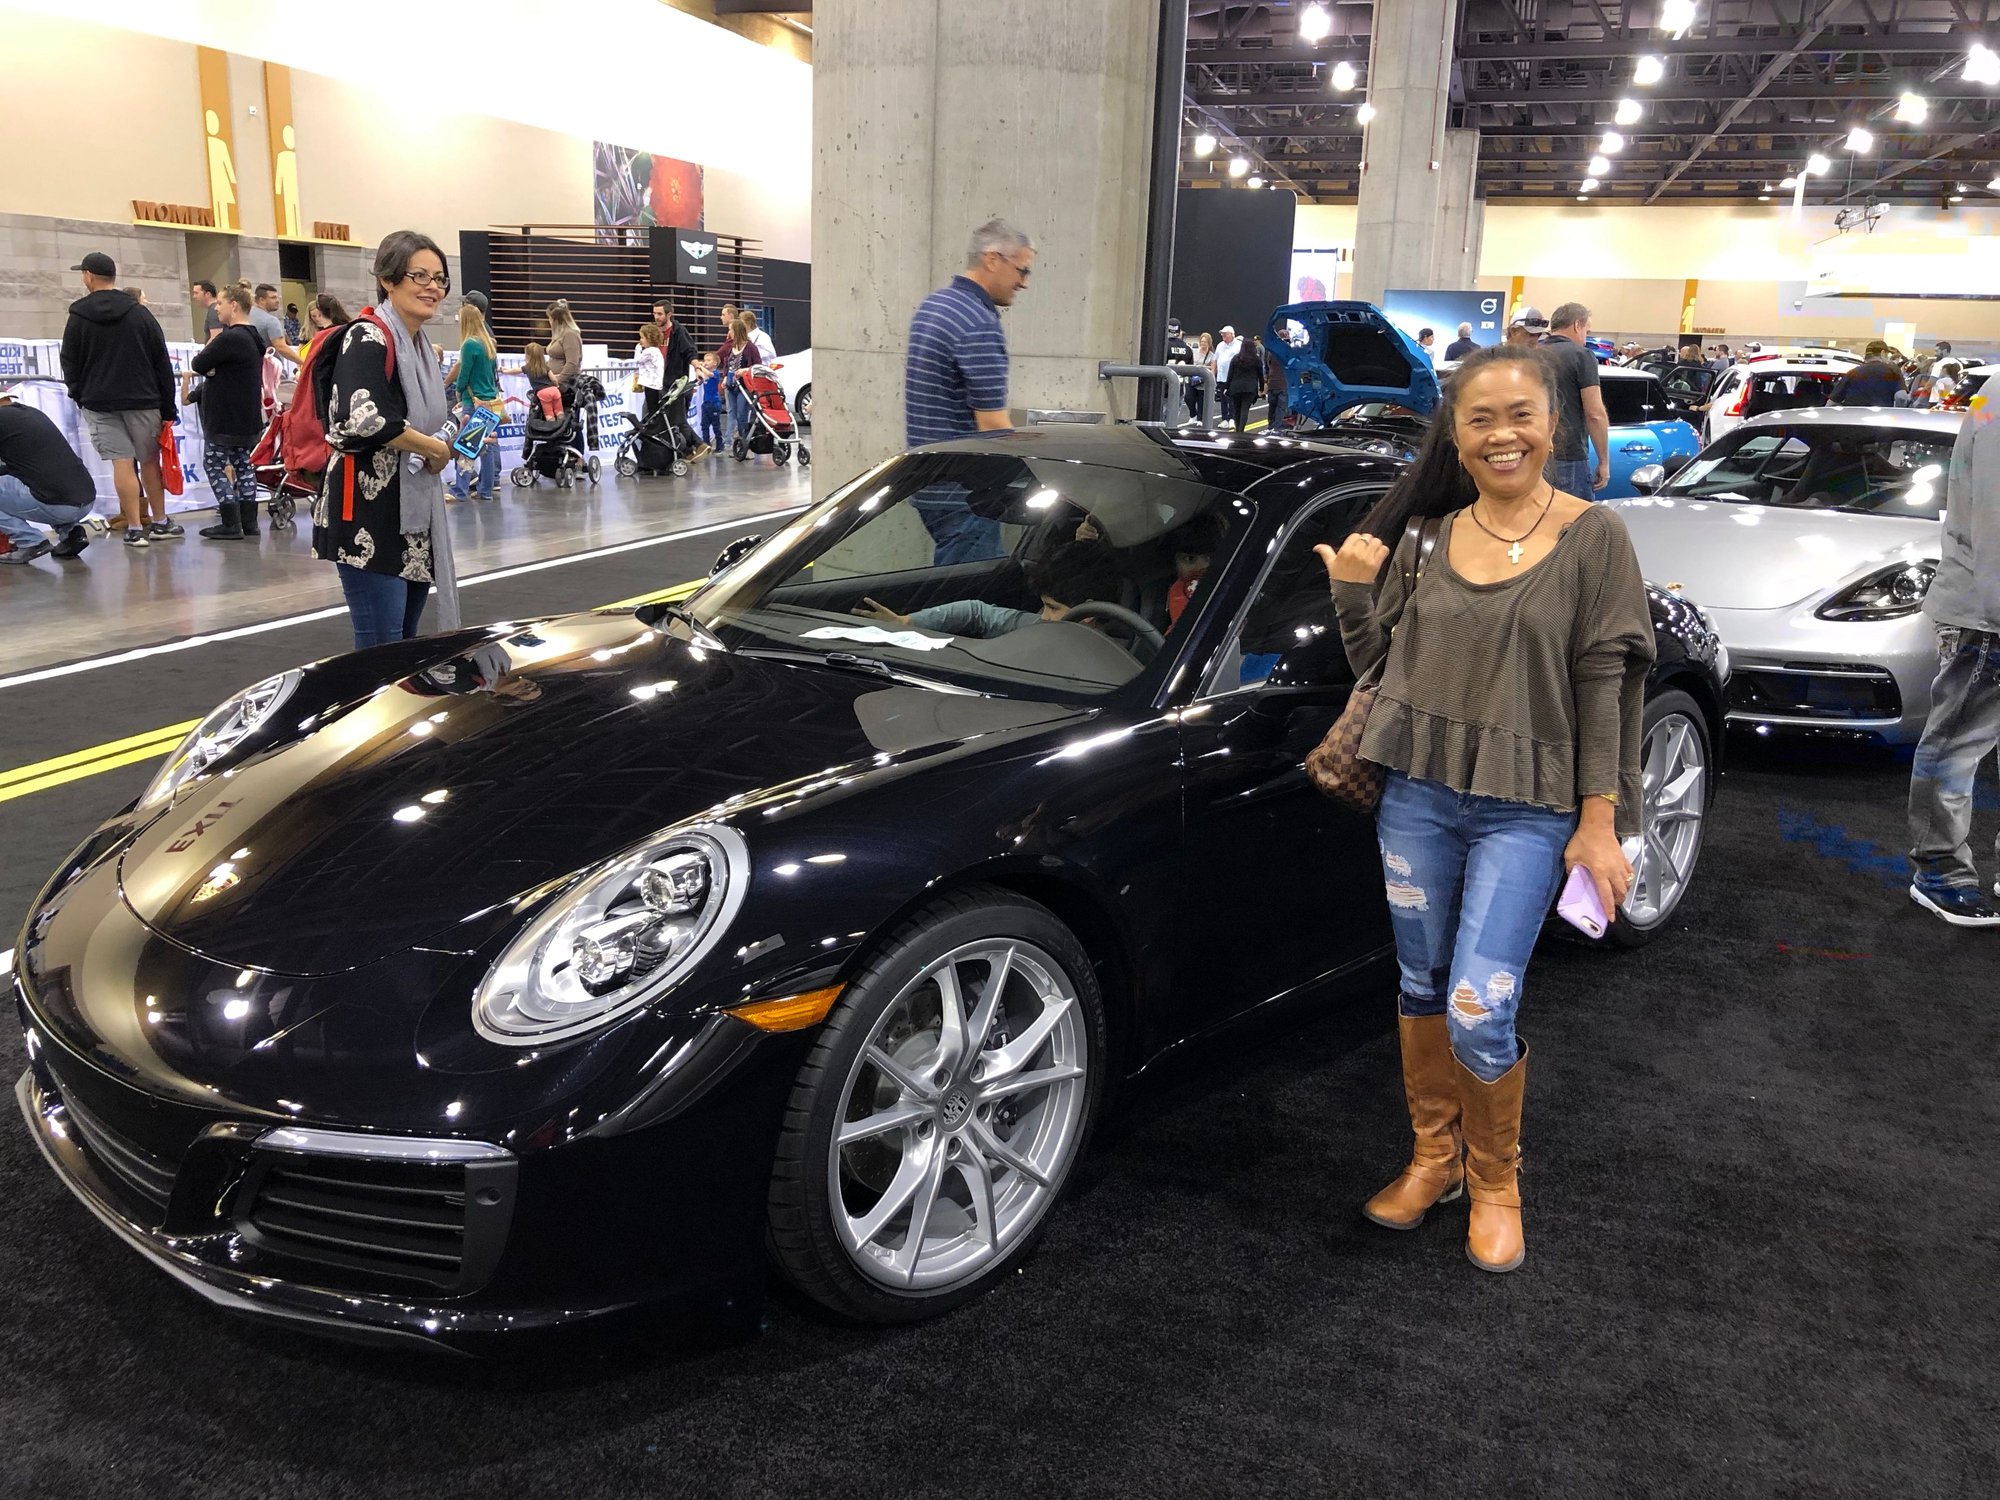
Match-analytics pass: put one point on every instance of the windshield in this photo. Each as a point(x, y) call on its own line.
point(1858, 469)
point(1788, 392)
point(1022, 577)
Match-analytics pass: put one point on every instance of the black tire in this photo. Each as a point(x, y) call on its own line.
point(628, 466)
point(522, 476)
point(801, 1233)
point(1626, 933)
point(802, 406)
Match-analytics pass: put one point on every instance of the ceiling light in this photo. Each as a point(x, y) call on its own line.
point(1256, 182)
point(1859, 140)
point(1239, 165)
point(1958, 197)
point(1994, 185)
point(1982, 64)
point(1344, 76)
point(1581, 198)
point(1600, 166)
point(1315, 23)
point(1912, 109)
point(1677, 16)
point(1763, 197)
point(1817, 164)
point(1629, 112)
point(1364, 112)
point(1204, 144)
point(1649, 70)
point(1789, 183)
point(1589, 185)
point(1612, 143)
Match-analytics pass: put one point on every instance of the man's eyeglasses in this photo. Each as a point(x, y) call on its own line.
point(1019, 270)
point(422, 279)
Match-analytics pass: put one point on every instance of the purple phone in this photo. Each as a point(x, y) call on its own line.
point(1579, 904)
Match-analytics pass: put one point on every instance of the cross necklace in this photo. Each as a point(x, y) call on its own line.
point(1515, 550)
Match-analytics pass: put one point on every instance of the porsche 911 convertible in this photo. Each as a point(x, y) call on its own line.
point(504, 979)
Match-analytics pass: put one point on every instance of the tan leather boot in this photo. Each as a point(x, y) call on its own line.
point(1434, 1174)
point(1492, 1126)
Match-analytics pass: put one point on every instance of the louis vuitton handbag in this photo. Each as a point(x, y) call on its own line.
point(1335, 764)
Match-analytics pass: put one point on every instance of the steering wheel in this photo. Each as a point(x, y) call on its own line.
point(1118, 614)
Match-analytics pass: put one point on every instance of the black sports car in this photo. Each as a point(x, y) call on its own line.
point(504, 979)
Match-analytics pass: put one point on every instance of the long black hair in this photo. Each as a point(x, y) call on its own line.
point(1437, 483)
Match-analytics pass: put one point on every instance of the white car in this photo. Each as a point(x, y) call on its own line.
point(795, 378)
point(1772, 383)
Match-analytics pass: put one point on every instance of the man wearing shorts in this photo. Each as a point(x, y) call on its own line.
point(114, 361)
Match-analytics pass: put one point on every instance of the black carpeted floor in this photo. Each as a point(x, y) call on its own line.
point(1762, 1262)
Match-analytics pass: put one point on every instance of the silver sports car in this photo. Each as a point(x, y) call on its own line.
point(1810, 539)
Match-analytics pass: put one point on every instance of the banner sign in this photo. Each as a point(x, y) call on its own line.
point(694, 258)
point(1442, 312)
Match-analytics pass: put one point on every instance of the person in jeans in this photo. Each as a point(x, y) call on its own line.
point(114, 362)
point(232, 416)
point(478, 380)
point(380, 515)
point(1964, 724)
point(42, 483)
point(1508, 715)
point(1582, 414)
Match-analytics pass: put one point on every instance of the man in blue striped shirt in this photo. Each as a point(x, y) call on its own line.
point(955, 377)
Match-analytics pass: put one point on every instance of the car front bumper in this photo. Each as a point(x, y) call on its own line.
point(1790, 670)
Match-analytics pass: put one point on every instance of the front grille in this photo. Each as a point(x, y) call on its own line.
point(1806, 691)
point(436, 1224)
point(148, 1179)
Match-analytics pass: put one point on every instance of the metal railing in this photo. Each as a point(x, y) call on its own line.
point(1173, 410)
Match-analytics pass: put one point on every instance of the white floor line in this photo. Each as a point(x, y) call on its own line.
point(7, 962)
point(189, 643)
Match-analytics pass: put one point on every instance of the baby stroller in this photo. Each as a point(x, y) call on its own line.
point(772, 429)
point(658, 442)
point(285, 487)
point(563, 446)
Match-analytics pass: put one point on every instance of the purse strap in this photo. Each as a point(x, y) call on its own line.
point(1426, 530)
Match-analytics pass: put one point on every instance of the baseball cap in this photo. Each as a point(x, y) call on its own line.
point(1530, 318)
point(478, 300)
point(98, 264)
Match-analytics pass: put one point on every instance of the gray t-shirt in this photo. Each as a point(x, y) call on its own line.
point(270, 325)
point(1576, 372)
point(211, 322)
point(1967, 590)
point(1532, 689)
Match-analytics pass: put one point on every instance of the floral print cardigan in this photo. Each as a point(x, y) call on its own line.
point(357, 517)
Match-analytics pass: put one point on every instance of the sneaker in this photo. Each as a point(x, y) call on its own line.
point(701, 452)
point(19, 557)
point(74, 541)
point(165, 530)
point(1962, 906)
point(135, 536)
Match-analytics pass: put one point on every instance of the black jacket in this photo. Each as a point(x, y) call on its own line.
point(1874, 383)
point(34, 451)
point(114, 357)
point(680, 352)
point(232, 396)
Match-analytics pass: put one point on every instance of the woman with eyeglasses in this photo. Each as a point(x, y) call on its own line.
point(380, 514)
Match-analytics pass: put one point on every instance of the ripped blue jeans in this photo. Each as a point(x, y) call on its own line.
point(1470, 881)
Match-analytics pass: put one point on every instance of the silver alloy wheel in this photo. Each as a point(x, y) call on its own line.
point(1674, 774)
point(959, 1117)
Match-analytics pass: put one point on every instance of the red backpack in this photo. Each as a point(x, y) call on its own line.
point(303, 428)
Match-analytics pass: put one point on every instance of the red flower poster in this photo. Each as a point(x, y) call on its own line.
point(631, 187)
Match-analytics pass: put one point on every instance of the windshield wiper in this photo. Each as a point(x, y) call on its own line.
point(852, 661)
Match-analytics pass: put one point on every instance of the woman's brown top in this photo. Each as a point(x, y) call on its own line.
point(1531, 689)
point(565, 354)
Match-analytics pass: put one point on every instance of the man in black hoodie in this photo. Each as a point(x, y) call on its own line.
point(114, 361)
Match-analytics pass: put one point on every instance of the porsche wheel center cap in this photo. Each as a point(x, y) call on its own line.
point(957, 1105)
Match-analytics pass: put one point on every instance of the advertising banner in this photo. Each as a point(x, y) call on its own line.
point(694, 258)
point(1442, 312)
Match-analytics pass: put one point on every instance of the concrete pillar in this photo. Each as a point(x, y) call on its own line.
point(932, 116)
point(1403, 195)
point(1462, 223)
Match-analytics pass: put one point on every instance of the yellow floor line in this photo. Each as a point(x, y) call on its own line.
point(23, 781)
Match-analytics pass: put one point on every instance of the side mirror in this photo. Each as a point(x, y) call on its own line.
point(1675, 462)
point(734, 553)
point(1648, 478)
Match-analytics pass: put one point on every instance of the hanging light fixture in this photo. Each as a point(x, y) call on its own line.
point(1629, 112)
point(1648, 71)
point(1982, 64)
point(1612, 143)
point(1239, 166)
point(1344, 77)
point(1364, 113)
point(1912, 109)
point(1315, 23)
point(1589, 185)
point(1860, 141)
point(1994, 185)
point(1255, 182)
point(1677, 16)
point(1788, 184)
point(1204, 144)
point(1600, 166)
point(1817, 164)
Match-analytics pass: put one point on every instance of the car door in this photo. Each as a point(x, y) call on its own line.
point(1687, 387)
point(1282, 886)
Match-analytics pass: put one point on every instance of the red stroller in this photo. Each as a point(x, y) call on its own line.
point(772, 429)
point(286, 487)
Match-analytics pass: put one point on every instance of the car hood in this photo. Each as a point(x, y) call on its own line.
point(425, 800)
point(1725, 555)
point(1350, 354)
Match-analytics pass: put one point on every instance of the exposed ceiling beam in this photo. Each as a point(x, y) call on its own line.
point(1537, 50)
point(1777, 65)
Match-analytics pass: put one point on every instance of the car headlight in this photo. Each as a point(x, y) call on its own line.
point(1887, 594)
point(621, 937)
point(221, 732)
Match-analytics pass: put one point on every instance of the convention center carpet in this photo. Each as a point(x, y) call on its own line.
point(1761, 1262)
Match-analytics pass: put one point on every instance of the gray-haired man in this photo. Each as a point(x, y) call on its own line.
point(955, 375)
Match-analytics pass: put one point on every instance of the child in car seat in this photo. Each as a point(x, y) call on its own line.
point(1195, 544)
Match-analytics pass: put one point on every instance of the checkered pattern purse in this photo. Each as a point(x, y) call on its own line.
point(1335, 764)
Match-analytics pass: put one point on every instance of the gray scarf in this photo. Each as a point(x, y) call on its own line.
point(423, 492)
